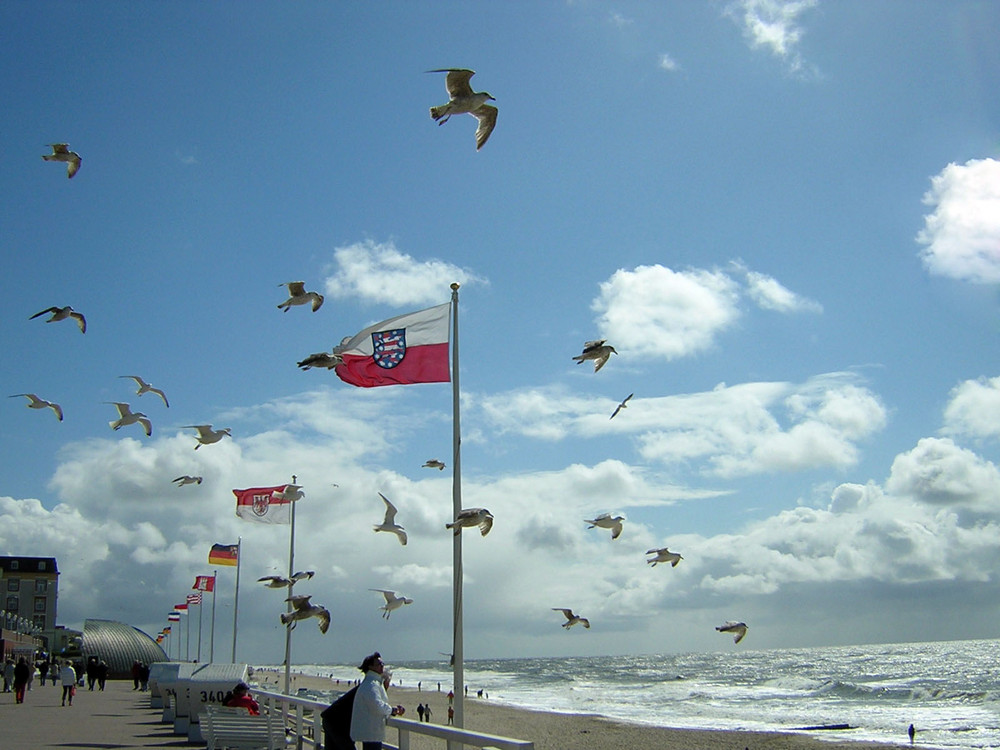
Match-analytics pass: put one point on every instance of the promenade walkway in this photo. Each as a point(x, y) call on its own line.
point(117, 718)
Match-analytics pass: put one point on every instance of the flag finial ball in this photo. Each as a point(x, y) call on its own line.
point(454, 286)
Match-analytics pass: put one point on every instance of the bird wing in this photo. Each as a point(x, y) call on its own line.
point(616, 530)
point(599, 361)
point(615, 412)
point(295, 288)
point(487, 116)
point(589, 346)
point(567, 612)
point(323, 615)
point(123, 409)
point(73, 166)
point(299, 602)
point(138, 381)
point(161, 394)
point(146, 425)
point(627, 399)
point(56, 408)
point(317, 302)
point(60, 148)
point(390, 511)
point(486, 524)
point(457, 81)
point(43, 312)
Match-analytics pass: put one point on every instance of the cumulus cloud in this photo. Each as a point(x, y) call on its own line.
point(962, 233)
point(770, 294)
point(974, 409)
point(668, 63)
point(939, 472)
point(774, 25)
point(379, 272)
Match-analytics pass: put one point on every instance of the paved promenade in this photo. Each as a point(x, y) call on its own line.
point(117, 718)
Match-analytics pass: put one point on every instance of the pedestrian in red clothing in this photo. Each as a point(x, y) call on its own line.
point(242, 699)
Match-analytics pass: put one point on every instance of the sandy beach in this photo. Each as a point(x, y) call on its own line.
point(556, 731)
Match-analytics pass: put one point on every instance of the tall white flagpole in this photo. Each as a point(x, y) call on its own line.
point(236, 596)
point(211, 642)
point(458, 647)
point(187, 646)
point(201, 609)
point(291, 585)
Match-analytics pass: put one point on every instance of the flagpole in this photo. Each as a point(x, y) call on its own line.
point(458, 646)
point(211, 642)
point(236, 596)
point(187, 647)
point(179, 621)
point(291, 585)
point(201, 610)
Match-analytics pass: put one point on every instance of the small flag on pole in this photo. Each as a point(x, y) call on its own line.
point(182, 608)
point(224, 554)
point(204, 583)
point(166, 630)
point(410, 348)
point(264, 505)
point(194, 599)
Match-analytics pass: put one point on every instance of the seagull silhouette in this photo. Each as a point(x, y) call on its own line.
point(433, 463)
point(598, 351)
point(185, 479)
point(738, 629)
point(145, 387)
point(469, 517)
point(297, 295)
point(392, 601)
point(572, 619)
point(303, 610)
point(61, 152)
point(62, 313)
point(321, 359)
point(622, 405)
point(40, 403)
point(463, 100)
point(126, 417)
point(389, 523)
point(605, 521)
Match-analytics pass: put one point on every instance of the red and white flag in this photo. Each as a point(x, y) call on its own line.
point(411, 348)
point(264, 504)
point(182, 608)
point(204, 583)
point(194, 599)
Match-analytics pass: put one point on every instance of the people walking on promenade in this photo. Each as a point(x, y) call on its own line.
point(67, 675)
point(21, 674)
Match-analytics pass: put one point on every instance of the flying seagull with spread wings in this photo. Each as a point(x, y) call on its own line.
point(206, 435)
point(606, 521)
point(126, 417)
point(738, 629)
point(303, 610)
point(469, 517)
point(389, 522)
point(40, 403)
point(61, 152)
point(463, 100)
point(598, 350)
point(63, 313)
point(392, 601)
point(185, 479)
point(622, 405)
point(663, 555)
point(297, 295)
point(145, 387)
point(433, 463)
point(572, 619)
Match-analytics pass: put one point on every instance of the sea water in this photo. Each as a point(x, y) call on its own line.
point(949, 690)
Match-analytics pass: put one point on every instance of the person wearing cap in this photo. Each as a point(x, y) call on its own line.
point(242, 699)
point(371, 705)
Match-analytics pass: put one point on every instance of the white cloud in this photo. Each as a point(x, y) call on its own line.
point(962, 233)
point(668, 63)
point(655, 312)
point(939, 472)
point(974, 408)
point(774, 25)
point(769, 294)
point(379, 272)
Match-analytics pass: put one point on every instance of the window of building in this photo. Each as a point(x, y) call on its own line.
point(39, 603)
point(13, 584)
point(14, 564)
point(41, 564)
point(12, 605)
point(39, 621)
point(41, 585)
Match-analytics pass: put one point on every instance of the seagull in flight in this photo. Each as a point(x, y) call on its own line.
point(605, 521)
point(389, 523)
point(469, 517)
point(61, 152)
point(663, 555)
point(598, 350)
point(62, 313)
point(297, 295)
point(572, 619)
point(321, 359)
point(40, 403)
point(463, 100)
point(303, 610)
point(622, 405)
point(433, 463)
point(206, 435)
point(738, 629)
point(185, 479)
point(145, 387)
point(126, 417)
point(392, 602)
point(278, 582)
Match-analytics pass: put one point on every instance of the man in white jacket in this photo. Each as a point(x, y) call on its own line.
point(371, 705)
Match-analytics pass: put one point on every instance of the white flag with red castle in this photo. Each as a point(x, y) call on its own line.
point(411, 348)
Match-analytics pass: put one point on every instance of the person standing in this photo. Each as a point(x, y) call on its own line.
point(43, 669)
point(427, 713)
point(371, 705)
point(135, 674)
point(102, 674)
point(8, 675)
point(420, 711)
point(912, 731)
point(67, 675)
point(21, 675)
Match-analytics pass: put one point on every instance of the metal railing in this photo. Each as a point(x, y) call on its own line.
point(304, 724)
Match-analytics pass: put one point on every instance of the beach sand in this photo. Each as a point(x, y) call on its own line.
point(557, 731)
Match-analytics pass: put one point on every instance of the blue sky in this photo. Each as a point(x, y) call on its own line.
point(783, 215)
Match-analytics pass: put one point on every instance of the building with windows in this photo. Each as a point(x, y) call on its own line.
point(30, 588)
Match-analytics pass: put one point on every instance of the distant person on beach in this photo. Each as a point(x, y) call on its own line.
point(451, 715)
point(427, 713)
point(21, 674)
point(912, 732)
point(420, 711)
point(67, 675)
point(241, 698)
point(371, 705)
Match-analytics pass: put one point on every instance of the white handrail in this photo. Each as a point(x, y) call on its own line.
point(308, 726)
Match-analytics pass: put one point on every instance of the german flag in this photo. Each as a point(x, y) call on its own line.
point(224, 554)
